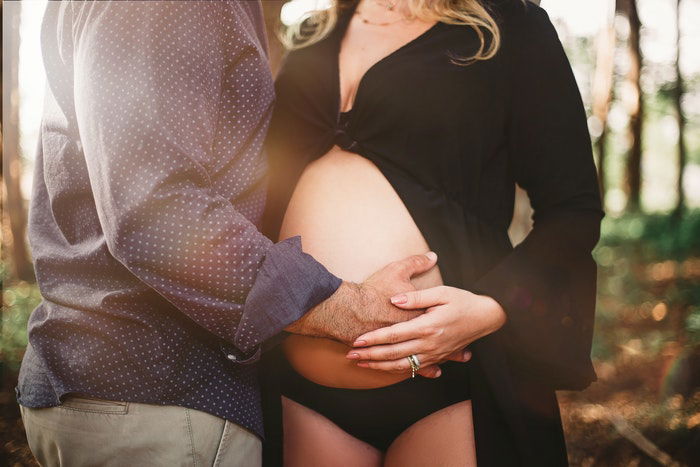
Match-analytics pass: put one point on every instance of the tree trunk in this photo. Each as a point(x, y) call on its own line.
point(678, 91)
point(635, 107)
point(603, 81)
point(14, 209)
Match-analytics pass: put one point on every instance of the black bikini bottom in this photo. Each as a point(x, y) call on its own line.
point(378, 416)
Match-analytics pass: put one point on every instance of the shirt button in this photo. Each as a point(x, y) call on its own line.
point(231, 357)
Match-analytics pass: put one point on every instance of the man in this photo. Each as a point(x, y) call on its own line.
point(158, 289)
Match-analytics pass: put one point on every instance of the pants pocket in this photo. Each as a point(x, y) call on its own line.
point(94, 405)
point(238, 447)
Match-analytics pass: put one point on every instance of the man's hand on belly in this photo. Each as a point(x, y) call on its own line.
point(355, 309)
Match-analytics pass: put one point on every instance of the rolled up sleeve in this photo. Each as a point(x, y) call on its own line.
point(149, 103)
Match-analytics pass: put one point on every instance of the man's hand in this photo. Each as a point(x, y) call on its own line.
point(355, 309)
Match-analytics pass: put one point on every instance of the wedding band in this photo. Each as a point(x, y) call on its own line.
point(415, 364)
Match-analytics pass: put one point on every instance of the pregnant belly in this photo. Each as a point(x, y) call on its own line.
point(353, 222)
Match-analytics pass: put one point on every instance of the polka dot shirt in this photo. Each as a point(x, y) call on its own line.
point(149, 186)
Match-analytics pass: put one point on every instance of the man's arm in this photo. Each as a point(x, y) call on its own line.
point(161, 98)
point(355, 309)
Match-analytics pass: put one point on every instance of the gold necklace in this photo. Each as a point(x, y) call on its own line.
point(388, 5)
point(376, 23)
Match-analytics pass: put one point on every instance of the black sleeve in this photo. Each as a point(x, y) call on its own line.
point(547, 284)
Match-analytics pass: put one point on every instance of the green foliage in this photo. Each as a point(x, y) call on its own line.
point(648, 295)
point(18, 301)
point(655, 236)
point(692, 325)
point(646, 344)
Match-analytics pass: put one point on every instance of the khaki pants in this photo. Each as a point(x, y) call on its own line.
point(90, 432)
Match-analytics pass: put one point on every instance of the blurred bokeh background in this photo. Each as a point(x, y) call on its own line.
point(637, 63)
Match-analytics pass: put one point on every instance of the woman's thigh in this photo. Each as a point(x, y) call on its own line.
point(310, 439)
point(444, 438)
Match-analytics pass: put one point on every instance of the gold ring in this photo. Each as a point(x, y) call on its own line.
point(415, 364)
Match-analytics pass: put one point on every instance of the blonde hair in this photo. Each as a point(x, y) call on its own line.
point(316, 25)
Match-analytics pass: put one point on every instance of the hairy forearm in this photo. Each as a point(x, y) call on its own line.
point(351, 311)
point(326, 319)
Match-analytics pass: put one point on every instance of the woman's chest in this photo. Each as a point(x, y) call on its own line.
point(416, 110)
point(365, 46)
point(418, 89)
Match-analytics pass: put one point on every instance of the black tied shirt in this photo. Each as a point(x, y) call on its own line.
point(453, 141)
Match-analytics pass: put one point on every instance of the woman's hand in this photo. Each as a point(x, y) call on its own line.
point(454, 319)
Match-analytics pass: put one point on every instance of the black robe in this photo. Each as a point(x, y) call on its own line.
point(453, 141)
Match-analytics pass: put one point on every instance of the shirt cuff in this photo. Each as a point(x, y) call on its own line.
point(289, 283)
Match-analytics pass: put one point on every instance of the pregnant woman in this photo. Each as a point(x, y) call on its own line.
point(402, 126)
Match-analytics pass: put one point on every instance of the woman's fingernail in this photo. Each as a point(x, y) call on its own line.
point(432, 256)
point(353, 356)
point(363, 365)
point(359, 343)
point(467, 355)
point(438, 373)
point(399, 299)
